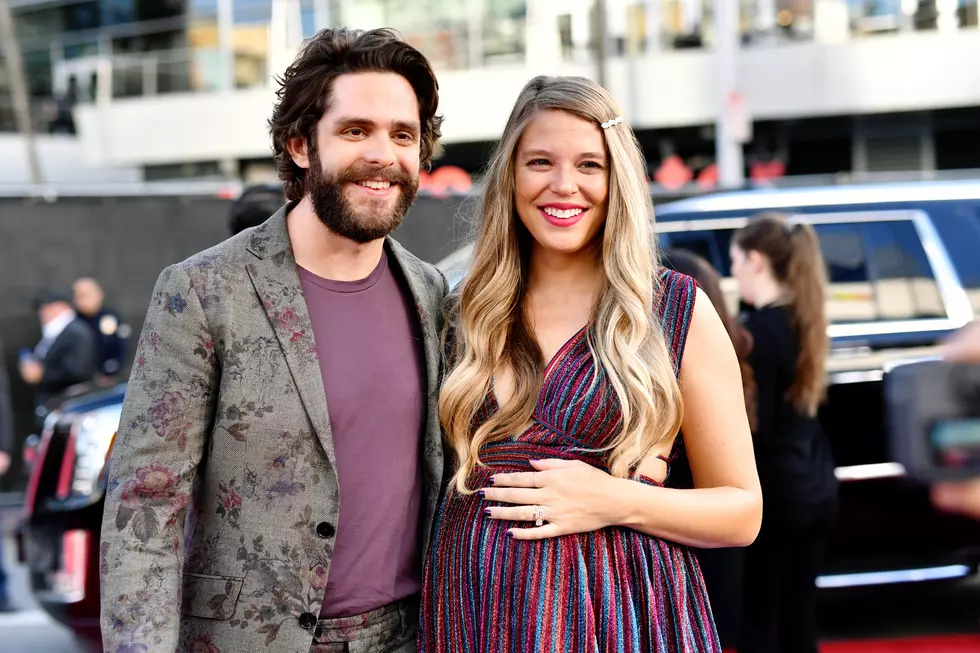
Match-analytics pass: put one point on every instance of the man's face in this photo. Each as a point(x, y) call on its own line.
point(87, 296)
point(52, 311)
point(364, 169)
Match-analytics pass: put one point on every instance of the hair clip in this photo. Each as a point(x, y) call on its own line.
point(610, 123)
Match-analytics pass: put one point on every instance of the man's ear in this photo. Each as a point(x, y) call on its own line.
point(298, 151)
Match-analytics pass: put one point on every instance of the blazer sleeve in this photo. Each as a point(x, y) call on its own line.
point(165, 426)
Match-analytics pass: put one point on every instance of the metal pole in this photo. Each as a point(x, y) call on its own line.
point(727, 146)
point(653, 26)
point(18, 89)
point(602, 41)
point(226, 44)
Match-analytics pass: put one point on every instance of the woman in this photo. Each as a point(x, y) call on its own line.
point(562, 403)
point(722, 567)
point(781, 276)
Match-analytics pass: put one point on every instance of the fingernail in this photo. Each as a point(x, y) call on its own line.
point(487, 512)
point(490, 482)
point(510, 534)
point(482, 494)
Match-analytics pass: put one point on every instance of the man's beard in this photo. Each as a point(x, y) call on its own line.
point(362, 225)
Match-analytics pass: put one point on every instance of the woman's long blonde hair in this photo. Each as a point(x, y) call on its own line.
point(488, 321)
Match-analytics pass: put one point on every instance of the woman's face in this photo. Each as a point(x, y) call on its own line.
point(747, 267)
point(562, 181)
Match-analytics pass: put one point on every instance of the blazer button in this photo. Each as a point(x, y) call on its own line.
point(307, 621)
point(325, 529)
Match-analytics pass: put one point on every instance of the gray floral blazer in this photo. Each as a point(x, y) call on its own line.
point(223, 495)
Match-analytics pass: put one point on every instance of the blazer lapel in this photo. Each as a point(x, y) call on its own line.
point(276, 281)
point(428, 302)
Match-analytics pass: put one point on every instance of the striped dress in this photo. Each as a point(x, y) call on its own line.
point(611, 590)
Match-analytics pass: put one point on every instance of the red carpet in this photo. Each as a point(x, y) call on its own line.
point(939, 644)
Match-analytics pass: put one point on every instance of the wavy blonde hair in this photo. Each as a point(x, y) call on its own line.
point(488, 321)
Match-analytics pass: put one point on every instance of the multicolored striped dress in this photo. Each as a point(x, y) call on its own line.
point(611, 590)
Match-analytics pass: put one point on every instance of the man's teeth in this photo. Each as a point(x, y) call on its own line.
point(557, 213)
point(376, 185)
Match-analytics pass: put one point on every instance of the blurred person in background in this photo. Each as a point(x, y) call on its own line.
point(781, 276)
point(721, 568)
point(291, 355)
point(109, 330)
point(65, 356)
point(961, 497)
point(6, 449)
point(254, 206)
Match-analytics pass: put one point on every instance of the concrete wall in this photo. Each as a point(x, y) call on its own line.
point(62, 162)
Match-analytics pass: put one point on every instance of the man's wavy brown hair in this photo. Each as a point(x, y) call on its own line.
point(304, 91)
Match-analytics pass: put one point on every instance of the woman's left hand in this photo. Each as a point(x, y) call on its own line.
point(573, 497)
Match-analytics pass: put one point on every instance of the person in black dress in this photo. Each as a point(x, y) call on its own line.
point(721, 568)
point(782, 280)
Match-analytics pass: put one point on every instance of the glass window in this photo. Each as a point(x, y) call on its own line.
point(960, 232)
point(877, 271)
point(156, 9)
point(38, 24)
point(904, 285)
point(81, 16)
point(117, 12)
point(713, 246)
point(504, 30)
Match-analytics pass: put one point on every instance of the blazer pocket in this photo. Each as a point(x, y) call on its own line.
point(210, 597)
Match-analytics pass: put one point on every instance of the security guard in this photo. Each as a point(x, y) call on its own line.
point(110, 332)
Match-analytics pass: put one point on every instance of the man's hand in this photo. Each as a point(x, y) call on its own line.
point(31, 371)
point(962, 497)
point(4, 463)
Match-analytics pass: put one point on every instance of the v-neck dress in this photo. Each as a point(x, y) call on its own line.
point(611, 590)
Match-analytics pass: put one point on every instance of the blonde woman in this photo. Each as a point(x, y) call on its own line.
point(567, 382)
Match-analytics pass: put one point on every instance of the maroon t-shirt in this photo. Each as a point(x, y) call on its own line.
point(372, 361)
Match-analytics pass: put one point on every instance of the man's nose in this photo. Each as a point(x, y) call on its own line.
point(379, 150)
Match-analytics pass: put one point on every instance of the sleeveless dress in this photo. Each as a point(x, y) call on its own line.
point(611, 590)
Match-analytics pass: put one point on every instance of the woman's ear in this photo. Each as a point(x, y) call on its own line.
point(756, 261)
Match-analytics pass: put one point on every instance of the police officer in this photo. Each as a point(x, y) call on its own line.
point(110, 332)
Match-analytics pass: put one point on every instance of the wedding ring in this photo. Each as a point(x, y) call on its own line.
point(538, 512)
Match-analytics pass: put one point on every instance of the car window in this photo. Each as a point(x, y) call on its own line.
point(877, 271)
point(960, 233)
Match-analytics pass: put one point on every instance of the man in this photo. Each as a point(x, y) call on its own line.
point(110, 332)
point(962, 497)
point(64, 357)
point(6, 446)
point(284, 393)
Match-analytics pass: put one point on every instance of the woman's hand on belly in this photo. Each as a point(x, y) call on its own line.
point(571, 497)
